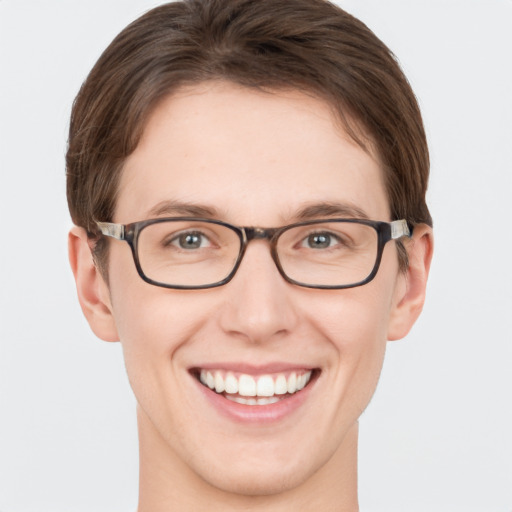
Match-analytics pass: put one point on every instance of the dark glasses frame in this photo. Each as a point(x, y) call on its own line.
point(129, 233)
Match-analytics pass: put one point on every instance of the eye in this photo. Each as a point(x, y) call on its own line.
point(190, 240)
point(322, 240)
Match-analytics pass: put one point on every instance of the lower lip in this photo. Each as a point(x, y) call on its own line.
point(256, 413)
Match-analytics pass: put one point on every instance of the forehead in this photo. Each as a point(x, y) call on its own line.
point(253, 157)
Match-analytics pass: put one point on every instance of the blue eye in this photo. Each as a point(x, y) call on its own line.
point(320, 241)
point(190, 240)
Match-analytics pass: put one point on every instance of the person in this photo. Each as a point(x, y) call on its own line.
point(247, 182)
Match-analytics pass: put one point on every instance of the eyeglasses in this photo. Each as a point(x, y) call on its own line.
point(192, 253)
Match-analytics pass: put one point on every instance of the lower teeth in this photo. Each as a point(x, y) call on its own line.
point(253, 401)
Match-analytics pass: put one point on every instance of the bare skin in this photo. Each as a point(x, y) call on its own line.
point(251, 159)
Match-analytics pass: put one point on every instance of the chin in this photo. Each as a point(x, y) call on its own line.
point(261, 481)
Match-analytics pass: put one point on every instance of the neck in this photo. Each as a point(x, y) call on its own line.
point(167, 483)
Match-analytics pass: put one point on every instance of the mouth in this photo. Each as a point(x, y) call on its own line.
point(255, 390)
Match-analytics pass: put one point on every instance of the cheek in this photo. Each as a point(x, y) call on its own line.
point(356, 325)
point(157, 327)
point(153, 323)
point(153, 327)
point(355, 319)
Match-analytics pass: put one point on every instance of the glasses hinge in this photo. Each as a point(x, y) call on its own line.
point(112, 230)
point(399, 228)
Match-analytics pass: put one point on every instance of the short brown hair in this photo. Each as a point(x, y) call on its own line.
point(310, 45)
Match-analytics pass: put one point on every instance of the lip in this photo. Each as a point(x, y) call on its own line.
point(256, 414)
point(252, 369)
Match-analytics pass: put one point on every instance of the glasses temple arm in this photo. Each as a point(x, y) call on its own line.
point(112, 230)
point(399, 228)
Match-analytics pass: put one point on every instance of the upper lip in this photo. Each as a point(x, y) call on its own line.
point(252, 369)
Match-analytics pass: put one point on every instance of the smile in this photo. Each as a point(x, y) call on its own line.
point(254, 390)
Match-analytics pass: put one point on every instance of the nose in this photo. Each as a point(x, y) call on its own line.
point(259, 303)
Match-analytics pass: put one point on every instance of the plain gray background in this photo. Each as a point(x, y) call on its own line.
point(437, 433)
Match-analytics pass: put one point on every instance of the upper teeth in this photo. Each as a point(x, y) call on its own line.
point(247, 385)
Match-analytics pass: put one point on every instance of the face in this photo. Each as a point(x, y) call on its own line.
point(250, 159)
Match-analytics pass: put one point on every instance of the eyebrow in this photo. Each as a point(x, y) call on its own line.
point(172, 208)
point(331, 209)
point(308, 212)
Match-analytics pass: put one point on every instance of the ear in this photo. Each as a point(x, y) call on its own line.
point(410, 291)
point(93, 293)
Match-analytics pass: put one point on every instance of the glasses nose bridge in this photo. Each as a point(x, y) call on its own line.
point(252, 233)
point(256, 233)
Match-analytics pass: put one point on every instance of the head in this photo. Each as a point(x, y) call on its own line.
point(256, 111)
